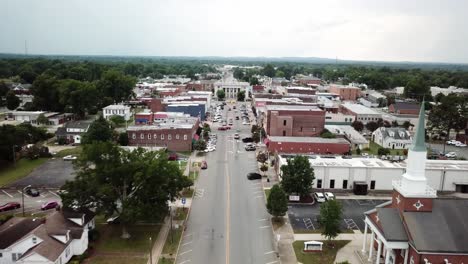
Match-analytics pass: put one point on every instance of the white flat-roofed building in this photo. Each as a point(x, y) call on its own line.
point(117, 110)
point(353, 136)
point(231, 88)
point(442, 175)
point(362, 113)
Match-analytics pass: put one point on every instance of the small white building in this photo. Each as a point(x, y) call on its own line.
point(118, 110)
point(392, 137)
point(231, 88)
point(354, 137)
point(50, 240)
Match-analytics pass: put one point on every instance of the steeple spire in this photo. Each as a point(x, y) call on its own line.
point(420, 136)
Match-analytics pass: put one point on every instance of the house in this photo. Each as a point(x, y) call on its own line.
point(404, 108)
point(392, 137)
point(416, 226)
point(362, 113)
point(117, 110)
point(349, 133)
point(72, 131)
point(53, 239)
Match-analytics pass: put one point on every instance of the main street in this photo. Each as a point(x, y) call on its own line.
point(228, 222)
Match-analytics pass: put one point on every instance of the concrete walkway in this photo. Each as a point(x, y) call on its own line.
point(159, 242)
point(347, 253)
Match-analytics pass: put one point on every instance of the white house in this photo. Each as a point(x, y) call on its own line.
point(54, 239)
point(392, 137)
point(119, 110)
point(72, 131)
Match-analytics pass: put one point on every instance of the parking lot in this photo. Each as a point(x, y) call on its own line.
point(32, 204)
point(51, 174)
point(305, 217)
point(461, 151)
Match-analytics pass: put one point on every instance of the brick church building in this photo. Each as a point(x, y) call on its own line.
point(417, 227)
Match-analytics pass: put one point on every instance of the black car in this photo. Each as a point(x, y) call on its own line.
point(247, 140)
point(254, 176)
point(237, 118)
point(32, 192)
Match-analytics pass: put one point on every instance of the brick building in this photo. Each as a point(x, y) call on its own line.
point(300, 90)
point(315, 145)
point(404, 108)
point(416, 226)
point(346, 93)
point(308, 80)
point(175, 135)
point(294, 120)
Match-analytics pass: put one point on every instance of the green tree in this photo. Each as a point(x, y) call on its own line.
point(115, 86)
point(254, 81)
point(277, 202)
point(199, 145)
point(327, 134)
point(241, 96)
point(372, 126)
point(357, 125)
point(407, 124)
point(12, 101)
point(262, 157)
point(42, 120)
point(220, 94)
point(99, 130)
point(79, 97)
point(383, 151)
point(46, 92)
point(117, 120)
point(330, 218)
point(298, 176)
point(123, 139)
point(416, 88)
point(264, 168)
point(135, 185)
point(269, 70)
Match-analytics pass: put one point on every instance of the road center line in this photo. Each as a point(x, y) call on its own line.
point(188, 243)
point(272, 262)
point(185, 261)
point(264, 226)
point(263, 219)
point(269, 252)
point(11, 196)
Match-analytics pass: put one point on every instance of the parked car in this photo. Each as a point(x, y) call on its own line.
point(460, 144)
point(452, 142)
point(204, 165)
point(69, 157)
point(247, 140)
point(222, 128)
point(250, 148)
point(236, 136)
point(50, 205)
point(173, 156)
point(254, 176)
point(329, 196)
point(451, 155)
point(319, 197)
point(10, 206)
point(32, 192)
point(237, 118)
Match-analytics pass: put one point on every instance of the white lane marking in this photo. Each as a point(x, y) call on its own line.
point(185, 252)
point(11, 196)
point(185, 261)
point(43, 196)
point(264, 226)
point(187, 235)
point(272, 262)
point(20, 192)
point(54, 193)
point(269, 252)
point(263, 219)
point(186, 243)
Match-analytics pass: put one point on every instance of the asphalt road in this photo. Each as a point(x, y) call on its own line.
point(228, 222)
point(52, 174)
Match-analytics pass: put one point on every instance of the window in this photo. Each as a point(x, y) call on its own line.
point(319, 183)
point(15, 256)
point(313, 129)
point(34, 240)
point(372, 185)
point(185, 137)
point(169, 136)
point(162, 136)
point(284, 122)
point(1, 255)
point(284, 133)
point(177, 136)
point(332, 184)
point(155, 136)
point(301, 129)
point(149, 136)
point(345, 184)
point(133, 135)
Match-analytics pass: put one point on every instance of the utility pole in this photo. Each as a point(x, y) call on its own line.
point(151, 251)
point(14, 155)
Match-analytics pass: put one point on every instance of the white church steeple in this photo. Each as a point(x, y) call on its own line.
point(414, 182)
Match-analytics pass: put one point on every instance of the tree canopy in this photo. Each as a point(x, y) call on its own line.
point(18, 136)
point(221, 94)
point(277, 202)
point(330, 218)
point(12, 101)
point(241, 96)
point(298, 176)
point(450, 113)
point(99, 130)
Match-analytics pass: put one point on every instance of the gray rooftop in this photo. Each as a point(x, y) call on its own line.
point(309, 140)
point(394, 132)
point(360, 109)
point(293, 107)
point(392, 226)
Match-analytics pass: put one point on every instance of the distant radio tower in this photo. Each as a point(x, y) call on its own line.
point(26, 48)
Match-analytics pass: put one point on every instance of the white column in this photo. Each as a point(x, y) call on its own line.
point(406, 256)
point(364, 240)
point(371, 246)
point(387, 256)
point(379, 251)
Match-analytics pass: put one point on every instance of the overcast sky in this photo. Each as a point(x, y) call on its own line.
point(390, 30)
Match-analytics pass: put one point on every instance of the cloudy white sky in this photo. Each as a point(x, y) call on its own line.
point(390, 30)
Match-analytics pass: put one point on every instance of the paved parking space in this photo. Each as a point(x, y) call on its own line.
point(51, 174)
point(304, 217)
point(31, 204)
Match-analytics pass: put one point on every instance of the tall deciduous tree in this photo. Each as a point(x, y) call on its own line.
point(372, 126)
point(241, 96)
point(99, 130)
point(277, 202)
point(220, 94)
point(115, 86)
point(330, 218)
point(12, 101)
point(298, 176)
point(135, 185)
point(269, 70)
point(358, 125)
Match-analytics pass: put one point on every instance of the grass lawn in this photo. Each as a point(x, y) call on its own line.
point(22, 169)
point(118, 260)
point(374, 148)
point(180, 213)
point(194, 175)
point(181, 163)
point(163, 260)
point(267, 193)
point(187, 192)
point(319, 231)
point(170, 247)
point(71, 151)
point(327, 256)
point(110, 241)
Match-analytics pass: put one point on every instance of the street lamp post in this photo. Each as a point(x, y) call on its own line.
point(22, 196)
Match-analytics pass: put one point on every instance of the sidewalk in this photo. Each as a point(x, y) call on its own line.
point(284, 245)
point(159, 242)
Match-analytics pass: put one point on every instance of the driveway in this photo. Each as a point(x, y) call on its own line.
point(305, 217)
point(51, 174)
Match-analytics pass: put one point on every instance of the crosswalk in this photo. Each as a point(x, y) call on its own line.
point(199, 193)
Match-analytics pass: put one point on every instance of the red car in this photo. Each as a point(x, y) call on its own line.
point(228, 127)
point(10, 206)
point(50, 205)
point(204, 165)
point(222, 128)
